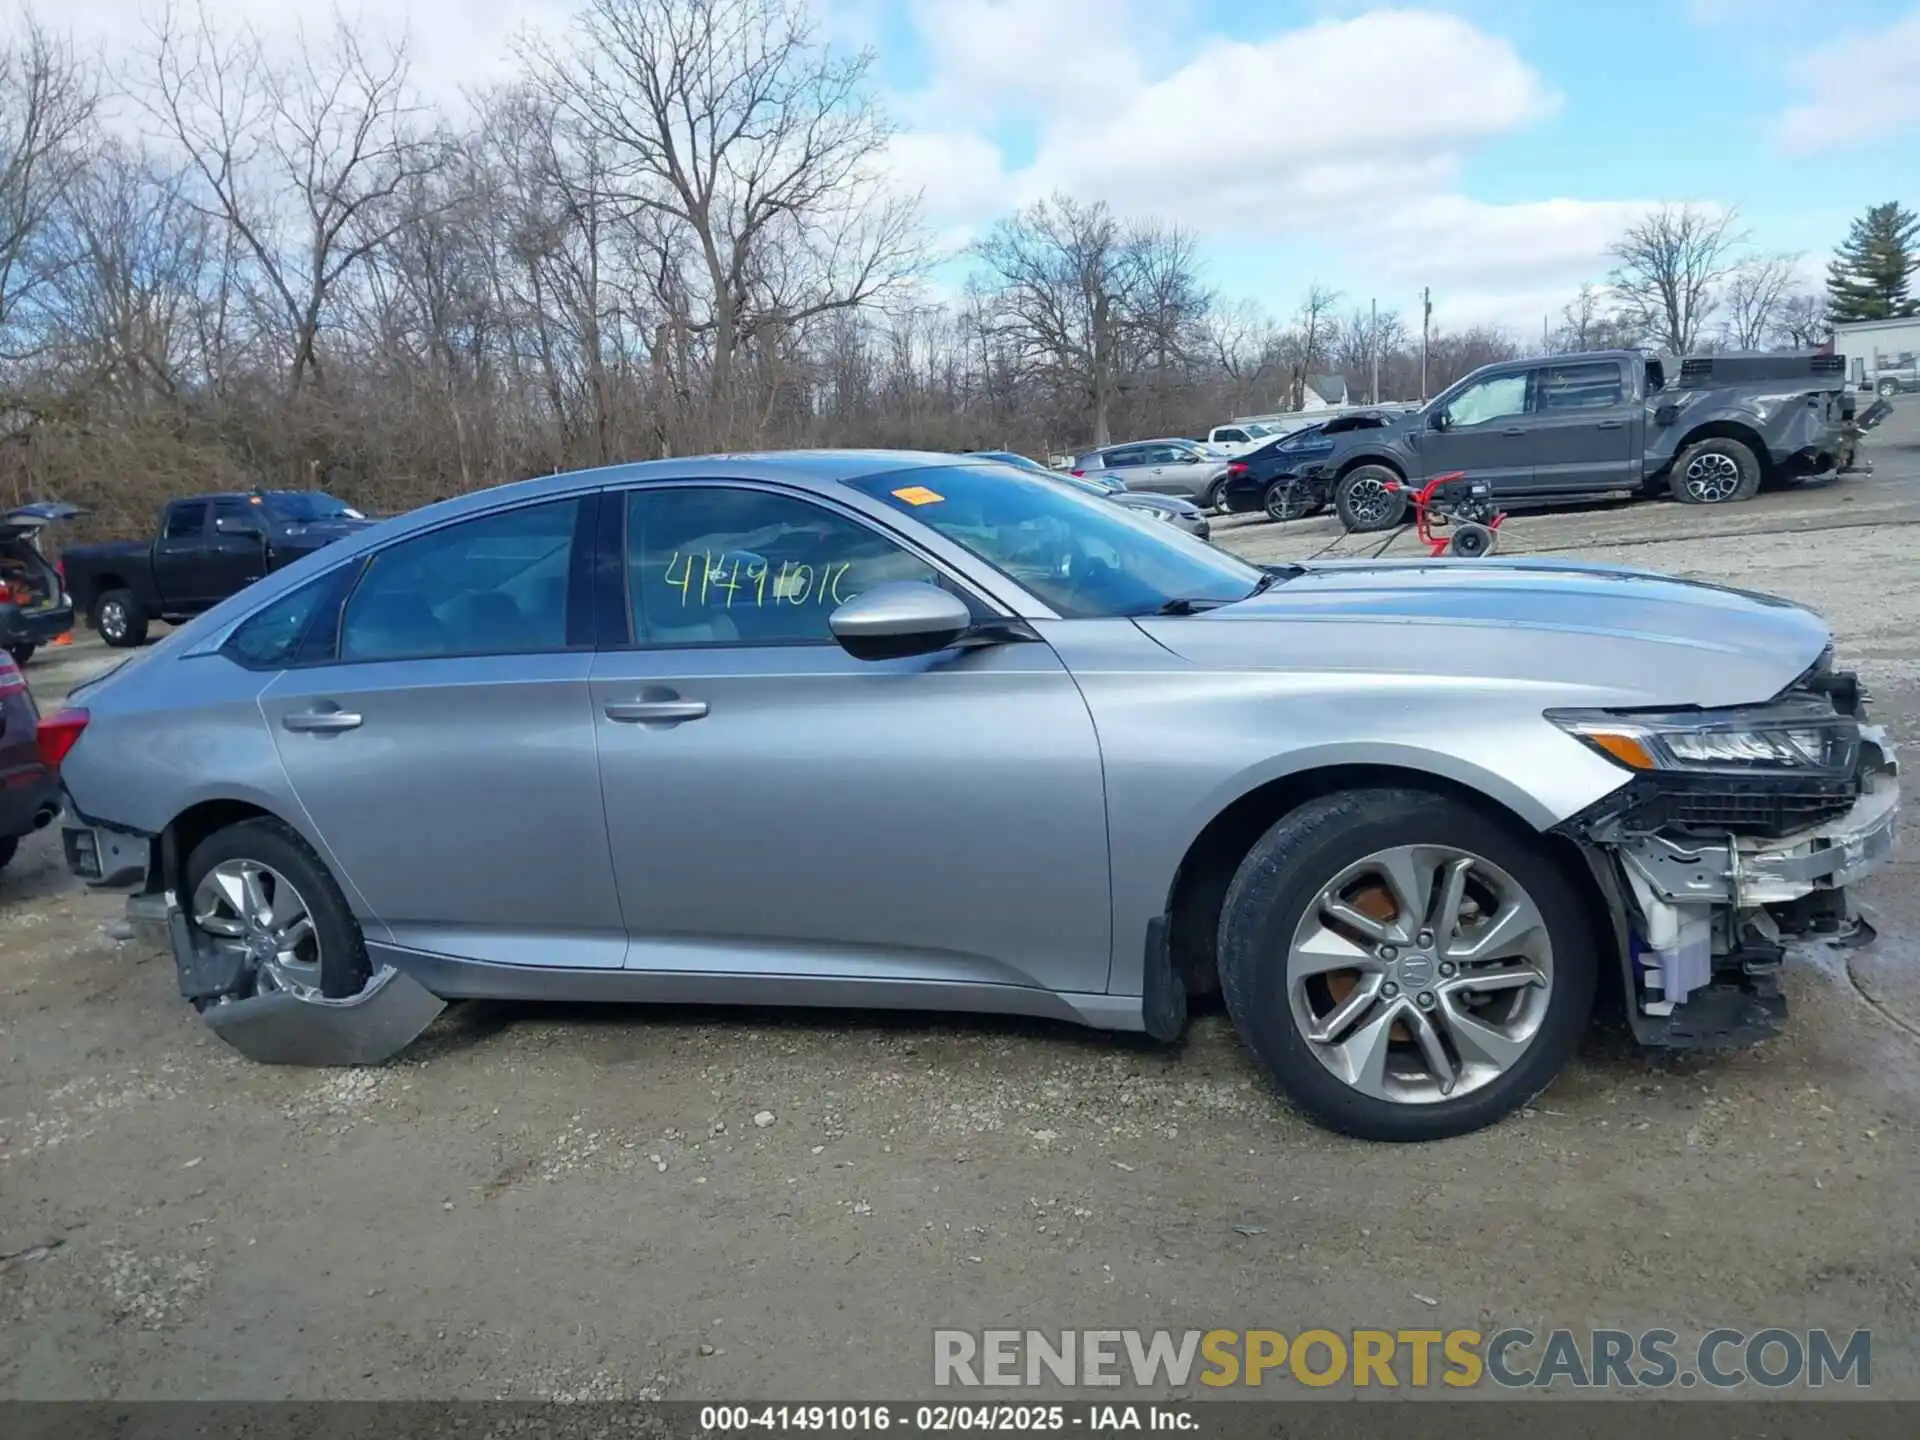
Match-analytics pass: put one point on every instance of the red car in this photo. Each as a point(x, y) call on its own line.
point(29, 774)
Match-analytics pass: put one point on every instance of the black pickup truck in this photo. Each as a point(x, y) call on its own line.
point(208, 547)
point(1564, 428)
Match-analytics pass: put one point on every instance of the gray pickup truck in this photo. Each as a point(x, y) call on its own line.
point(1573, 427)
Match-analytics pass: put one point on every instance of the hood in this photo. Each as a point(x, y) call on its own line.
point(29, 518)
point(1615, 635)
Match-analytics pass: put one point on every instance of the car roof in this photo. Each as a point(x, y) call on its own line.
point(817, 470)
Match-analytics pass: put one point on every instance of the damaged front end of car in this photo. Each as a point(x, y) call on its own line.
point(1739, 832)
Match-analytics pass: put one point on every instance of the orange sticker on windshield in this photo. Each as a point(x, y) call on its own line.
point(918, 495)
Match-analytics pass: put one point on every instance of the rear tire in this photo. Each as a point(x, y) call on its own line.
point(1889, 389)
point(336, 965)
point(9, 847)
point(121, 619)
point(1363, 502)
point(1286, 502)
point(1215, 500)
point(21, 653)
point(1715, 471)
point(1505, 1042)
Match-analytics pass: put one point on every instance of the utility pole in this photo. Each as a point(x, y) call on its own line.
point(1426, 324)
point(1373, 349)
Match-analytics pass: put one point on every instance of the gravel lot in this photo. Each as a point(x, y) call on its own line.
point(580, 1203)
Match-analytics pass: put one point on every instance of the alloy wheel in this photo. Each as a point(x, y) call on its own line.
point(254, 909)
point(1713, 477)
point(113, 620)
point(1420, 973)
point(1369, 501)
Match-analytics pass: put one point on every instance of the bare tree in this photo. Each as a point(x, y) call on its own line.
point(727, 121)
point(1802, 321)
point(1755, 292)
point(1084, 299)
point(304, 162)
point(1587, 323)
point(1670, 265)
point(47, 107)
point(137, 260)
point(1307, 340)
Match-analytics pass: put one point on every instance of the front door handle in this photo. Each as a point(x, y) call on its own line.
point(1611, 425)
point(634, 712)
point(320, 722)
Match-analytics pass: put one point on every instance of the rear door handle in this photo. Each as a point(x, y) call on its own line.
point(1516, 430)
point(320, 722)
point(1611, 425)
point(633, 712)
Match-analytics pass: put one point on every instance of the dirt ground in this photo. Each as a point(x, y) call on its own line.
point(570, 1202)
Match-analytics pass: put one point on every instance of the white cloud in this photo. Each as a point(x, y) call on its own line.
point(1274, 137)
point(1350, 134)
point(1862, 83)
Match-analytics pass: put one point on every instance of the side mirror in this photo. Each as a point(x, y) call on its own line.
point(898, 619)
point(1437, 421)
point(1188, 457)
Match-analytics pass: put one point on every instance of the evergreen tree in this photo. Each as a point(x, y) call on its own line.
point(1868, 277)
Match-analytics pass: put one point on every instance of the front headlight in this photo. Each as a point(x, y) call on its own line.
point(1803, 735)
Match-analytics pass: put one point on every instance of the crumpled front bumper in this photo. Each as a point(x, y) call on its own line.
point(1702, 923)
point(1746, 873)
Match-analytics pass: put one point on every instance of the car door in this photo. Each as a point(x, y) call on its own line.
point(1488, 430)
point(1586, 427)
point(444, 745)
point(1161, 471)
point(235, 553)
point(778, 808)
point(1186, 471)
point(177, 556)
point(1127, 464)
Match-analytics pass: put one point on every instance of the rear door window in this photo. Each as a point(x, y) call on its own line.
point(496, 585)
point(1591, 386)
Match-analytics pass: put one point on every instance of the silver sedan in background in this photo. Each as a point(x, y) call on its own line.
point(903, 730)
point(1167, 467)
point(1184, 513)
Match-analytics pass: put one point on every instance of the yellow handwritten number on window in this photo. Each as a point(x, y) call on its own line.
point(793, 584)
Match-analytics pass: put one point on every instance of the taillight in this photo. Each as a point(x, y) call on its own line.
point(1079, 474)
point(59, 732)
point(1236, 468)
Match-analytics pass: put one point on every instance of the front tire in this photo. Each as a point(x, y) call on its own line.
point(21, 654)
point(1363, 501)
point(1716, 471)
point(9, 847)
point(257, 886)
point(121, 619)
point(1404, 967)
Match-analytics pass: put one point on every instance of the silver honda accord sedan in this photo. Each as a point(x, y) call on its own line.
point(900, 730)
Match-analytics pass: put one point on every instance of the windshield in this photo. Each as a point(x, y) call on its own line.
point(1258, 430)
point(1085, 557)
point(304, 505)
